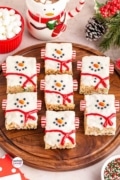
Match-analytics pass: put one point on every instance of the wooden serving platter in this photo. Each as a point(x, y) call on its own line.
point(29, 144)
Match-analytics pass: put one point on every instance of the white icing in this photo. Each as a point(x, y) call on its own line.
point(65, 48)
point(91, 102)
point(28, 69)
point(104, 72)
point(30, 104)
point(52, 137)
point(52, 98)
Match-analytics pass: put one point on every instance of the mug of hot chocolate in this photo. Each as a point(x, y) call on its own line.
point(47, 19)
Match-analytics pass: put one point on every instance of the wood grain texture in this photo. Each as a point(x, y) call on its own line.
point(29, 144)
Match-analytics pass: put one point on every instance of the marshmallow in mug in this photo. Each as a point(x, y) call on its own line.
point(46, 1)
point(10, 23)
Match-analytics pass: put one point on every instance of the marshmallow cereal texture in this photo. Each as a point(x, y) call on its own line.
point(10, 23)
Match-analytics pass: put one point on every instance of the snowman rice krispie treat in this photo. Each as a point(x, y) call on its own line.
point(59, 91)
point(58, 58)
point(60, 129)
point(99, 114)
point(21, 73)
point(94, 76)
point(21, 110)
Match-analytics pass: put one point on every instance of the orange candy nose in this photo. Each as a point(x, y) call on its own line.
point(21, 64)
point(21, 101)
point(96, 65)
point(58, 84)
point(49, 14)
point(101, 104)
point(59, 121)
point(58, 51)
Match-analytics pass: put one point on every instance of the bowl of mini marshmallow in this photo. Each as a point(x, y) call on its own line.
point(11, 29)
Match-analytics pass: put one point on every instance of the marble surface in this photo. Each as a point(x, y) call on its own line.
point(74, 33)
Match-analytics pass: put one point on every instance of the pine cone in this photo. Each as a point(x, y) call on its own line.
point(94, 29)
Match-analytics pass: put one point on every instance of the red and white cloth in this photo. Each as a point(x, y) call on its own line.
point(8, 171)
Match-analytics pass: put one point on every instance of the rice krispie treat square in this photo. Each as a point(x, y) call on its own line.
point(21, 73)
point(58, 58)
point(100, 114)
point(21, 110)
point(94, 77)
point(59, 92)
point(59, 129)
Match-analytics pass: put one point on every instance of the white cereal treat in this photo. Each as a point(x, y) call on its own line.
point(59, 92)
point(95, 75)
point(58, 58)
point(21, 74)
point(100, 114)
point(60, 130)
point(21, 111)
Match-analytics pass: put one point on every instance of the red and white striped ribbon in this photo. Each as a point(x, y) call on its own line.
point(82, 105)
point(42, 53)
point(75, 85)
point(38, 67)
point(111, 69)
point(39, 104)
point(77, 122)
point(4, 103)
point(76, 10)
point(73, 54)
point(42, 84)
point(43, 121)
point(117, 105)
point(4, 67)
point(79, 65)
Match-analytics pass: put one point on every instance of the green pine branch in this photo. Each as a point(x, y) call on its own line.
point(97, 6)
point(112, 35)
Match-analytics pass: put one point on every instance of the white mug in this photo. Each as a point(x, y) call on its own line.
point(46, 21)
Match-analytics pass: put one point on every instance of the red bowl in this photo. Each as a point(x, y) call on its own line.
point(11, 44)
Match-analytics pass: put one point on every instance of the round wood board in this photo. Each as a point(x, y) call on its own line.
point(29, 144)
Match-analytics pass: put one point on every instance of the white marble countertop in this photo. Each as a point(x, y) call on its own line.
point(74, 33)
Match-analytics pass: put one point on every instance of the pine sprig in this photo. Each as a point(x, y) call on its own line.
point(108, 15)
point(112, 35)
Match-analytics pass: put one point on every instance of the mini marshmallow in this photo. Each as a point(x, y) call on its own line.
point(12, 18)
point(16, 30)
point(48, 2)
point(2, 37)
point(10, 23)
point(11, 12)
point(17, 17)
point(2, 29)
point(5, 14)
point(0, 14)
point(10, 35)
point(9, 27)
point(18, 23)
point(6, 22)
point(43, 1)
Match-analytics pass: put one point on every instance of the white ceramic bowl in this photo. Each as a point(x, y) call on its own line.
point(111, 159)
